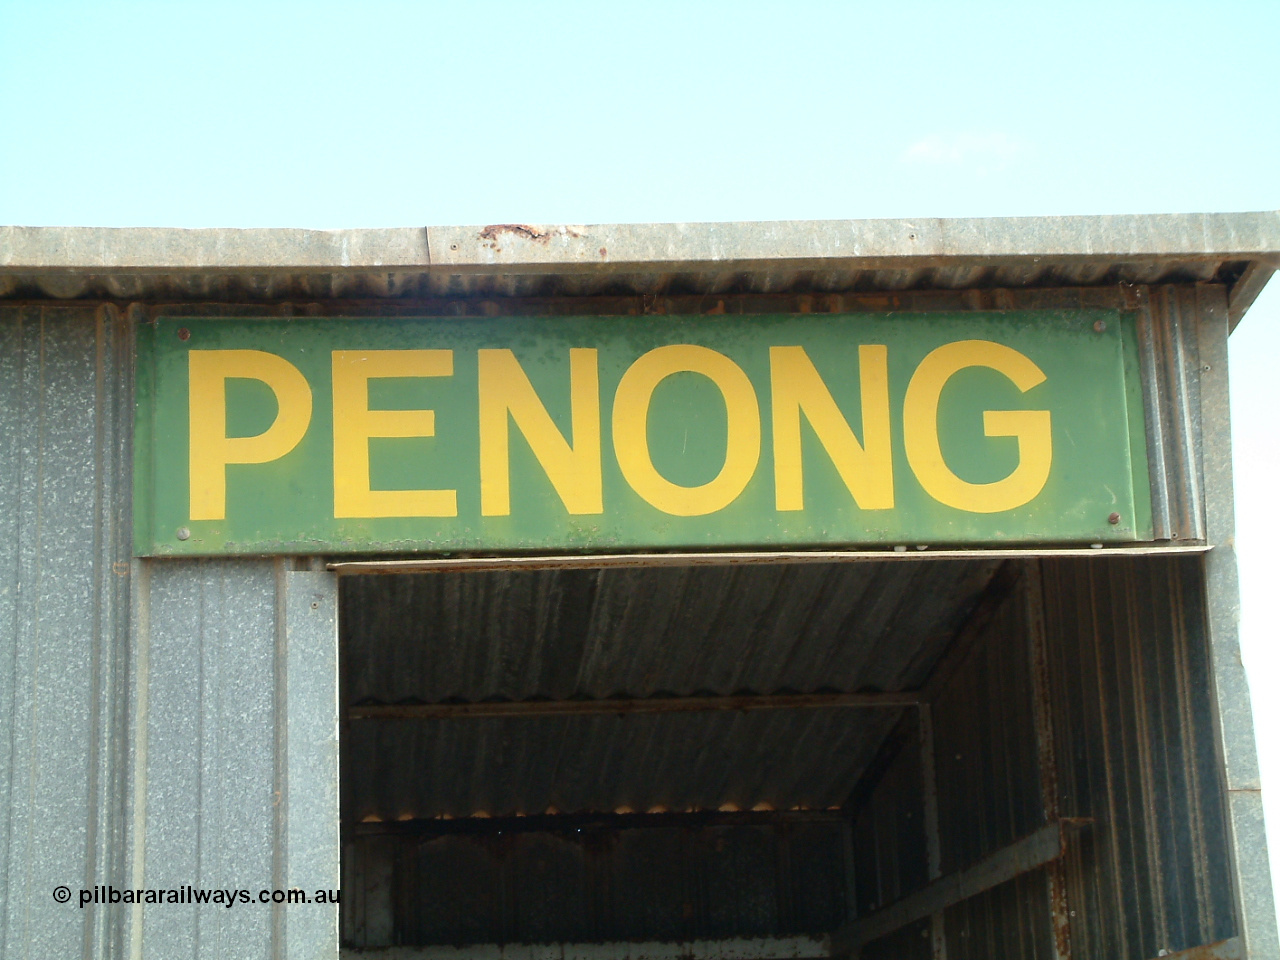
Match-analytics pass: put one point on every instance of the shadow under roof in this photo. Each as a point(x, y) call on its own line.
point(636, 633)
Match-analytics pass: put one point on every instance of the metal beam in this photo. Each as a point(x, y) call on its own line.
point(608, 821)
point(600, 561)
point(1246, 289)
point(746, 948)
point(1023, 856)
point(579, 708)
point(1046, 753)
point(1232, 949)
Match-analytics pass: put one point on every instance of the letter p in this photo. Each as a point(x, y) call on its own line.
point(211, 448)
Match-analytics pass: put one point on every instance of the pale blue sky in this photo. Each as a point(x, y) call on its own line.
point(395, 114)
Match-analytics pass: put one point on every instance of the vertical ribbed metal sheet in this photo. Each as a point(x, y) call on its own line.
point(598, 883)
point(1233, 720)
point(233, 756)
point(1169, 358)
point(986, 772)
point(1131, 693)
point(206, 764)
point(985, 748)
point(64, 560)
point(890, 854)
point(144, 717)
point(1130, 700)
point(1008, 921)
point(143, 720)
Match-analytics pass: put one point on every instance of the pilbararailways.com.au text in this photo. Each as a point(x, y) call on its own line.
point(200, 895)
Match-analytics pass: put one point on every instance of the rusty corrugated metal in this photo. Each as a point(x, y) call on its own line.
point(1129, 704)
point(148, 772)
point(1133, 716)
point(987, 777)
point(1011, 920)
point(568, 634)
point(890, 839)
point(597, 883)
point(988, 773)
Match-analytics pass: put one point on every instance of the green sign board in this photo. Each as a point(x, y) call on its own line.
point(393, 435)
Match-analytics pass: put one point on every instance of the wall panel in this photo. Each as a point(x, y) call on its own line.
point(63, 602)
point(144, 750)
point(1132, 706)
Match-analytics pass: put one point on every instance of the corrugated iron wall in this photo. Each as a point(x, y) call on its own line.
point(986, 767)
point(573, 634)
point(204, 759)
point(1130, 702)
point(64, 564)
point(1133, 720)
point(987, 776)
point(142, 705)
point(988, 773)
point(890, 851)
point(148, 747)
point(600, 882)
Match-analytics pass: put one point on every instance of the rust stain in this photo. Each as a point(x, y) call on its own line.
point(524, 231)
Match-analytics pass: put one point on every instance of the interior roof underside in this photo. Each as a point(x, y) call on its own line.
point(635, 633)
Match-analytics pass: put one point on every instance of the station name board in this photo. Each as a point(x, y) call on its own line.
point(439, 435)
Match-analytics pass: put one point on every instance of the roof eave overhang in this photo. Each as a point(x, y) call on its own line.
point(1240, 250)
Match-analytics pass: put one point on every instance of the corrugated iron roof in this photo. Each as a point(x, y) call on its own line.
point(1239, 250)
point(570, 634)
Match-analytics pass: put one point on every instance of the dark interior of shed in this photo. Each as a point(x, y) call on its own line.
point(647, 754)
point(898, 759)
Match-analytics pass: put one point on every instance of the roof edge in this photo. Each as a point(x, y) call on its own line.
point(537, 248)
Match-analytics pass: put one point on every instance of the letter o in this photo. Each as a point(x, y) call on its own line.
point(631, 429)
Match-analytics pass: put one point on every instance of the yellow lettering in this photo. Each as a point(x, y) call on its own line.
point(797, 387)
point(211, 449)
point(574, 471)
point(1030, 427)
point(354, 424)
point(631, 429)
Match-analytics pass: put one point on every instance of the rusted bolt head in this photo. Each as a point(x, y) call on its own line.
point(184, 533)
point(184, 333)
point(1114, 518)
point(1099, 326)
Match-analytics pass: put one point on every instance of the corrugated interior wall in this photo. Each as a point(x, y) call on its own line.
point(597, 882)
point(890, 849)
point(989, 789)
point(684, 825)
point(596, 634)
point(1133, 723)
point(1129, 700)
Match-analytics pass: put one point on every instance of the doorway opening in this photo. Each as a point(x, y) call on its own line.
point(681, 757)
